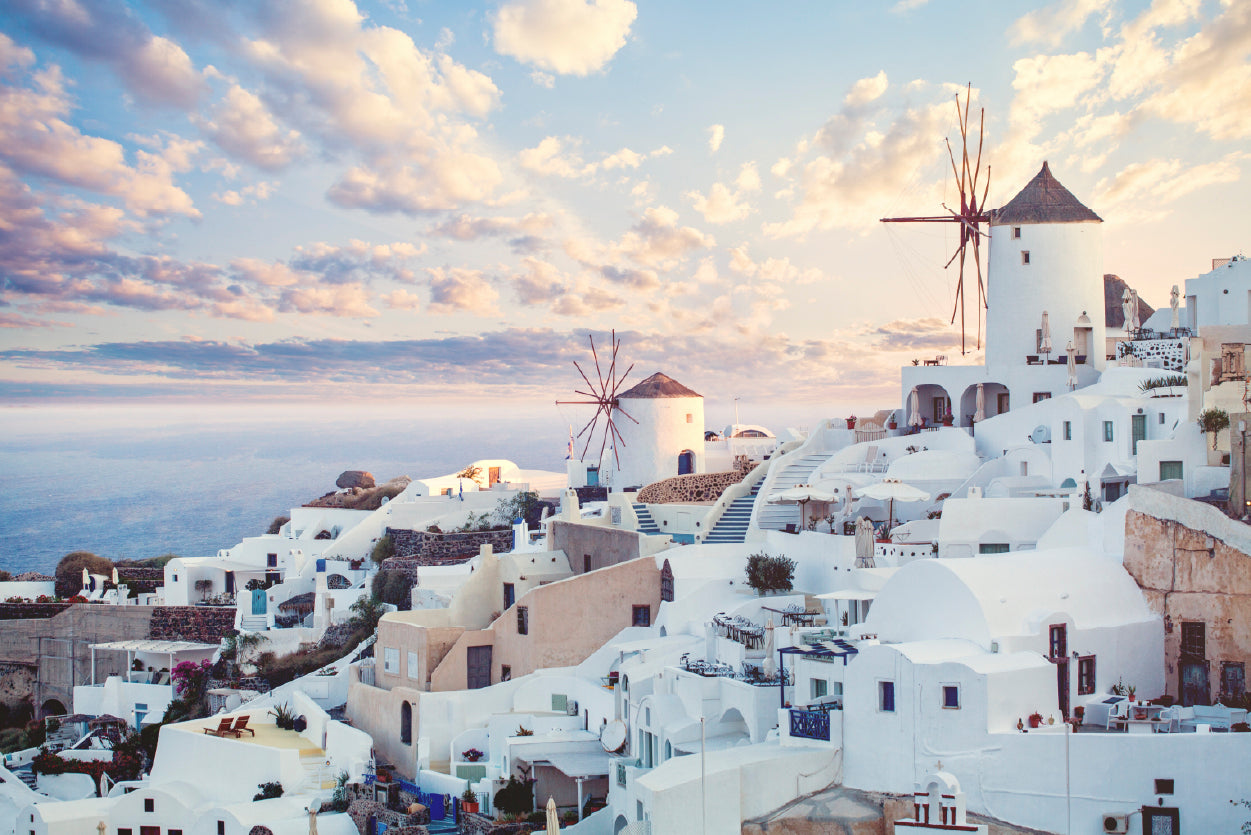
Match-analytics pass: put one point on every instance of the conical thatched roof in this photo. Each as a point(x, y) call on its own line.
point(659, 385)
point(1043, 200)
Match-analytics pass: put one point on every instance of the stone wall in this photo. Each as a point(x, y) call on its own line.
point(1190, 576)
point(141, 580)
point(689, 489)
point(33, 611)
point(202, 624)
point(595, 493)
point(445, 548)
point(1170, 352)
point(362, 805)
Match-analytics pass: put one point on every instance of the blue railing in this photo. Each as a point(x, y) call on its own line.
point(810, 724)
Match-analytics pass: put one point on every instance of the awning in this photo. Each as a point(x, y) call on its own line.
point(578, 765)
point(848, 594)
point(163, 647)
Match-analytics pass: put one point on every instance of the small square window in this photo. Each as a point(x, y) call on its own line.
point(641, 616)
point(173, 832)
point(1016, 232)
point(391, 660)
point(1107, 431)
point(523, 620)
point(271, 560)
point(1040, 396)
point(221, 828)
point(690, 417)
point(886, 696)
point(1068, 430)
point(149, 804)
point(506, 672)
point(1163, 786)
point(1025, 256)
point(1085, 675)
point(951, 696)
point(820, 687)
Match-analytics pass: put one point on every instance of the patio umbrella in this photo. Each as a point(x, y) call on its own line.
point(553, 822)
point(864, 542)
point(770, 666)
point(892, 489)
point(1044, 342)
point(800, 495)
point(86, 577)
point(1072, 352)
point(115, 576)
point(1133, 309)
point(914, 408)
point(1173, 296)
point(980, 413)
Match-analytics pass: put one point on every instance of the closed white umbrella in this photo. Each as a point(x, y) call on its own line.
point(892, 490)
point(770, 666)
point(864, 542)
point(1136, 321)
point(980, 413)
point(914, 408)
point(553, 822)
point(1173, 298)
point(1044, 343)
point(1072, 352)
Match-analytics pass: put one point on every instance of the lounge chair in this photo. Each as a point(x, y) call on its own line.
point(241, 725)
point(223, 728)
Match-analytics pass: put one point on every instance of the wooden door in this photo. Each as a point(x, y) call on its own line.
point(1194, 683)
point(1062, 685)
point(493, 476)
point(1138, 427)
point(258, 601)
point(478, 667)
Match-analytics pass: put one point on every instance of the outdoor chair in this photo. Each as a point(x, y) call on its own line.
point(241, 725)
point(223, 728)
point(1117, 715)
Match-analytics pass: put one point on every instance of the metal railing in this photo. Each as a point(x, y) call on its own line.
point(810, 724)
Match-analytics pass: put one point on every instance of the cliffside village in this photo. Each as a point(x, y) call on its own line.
point(1017, 601)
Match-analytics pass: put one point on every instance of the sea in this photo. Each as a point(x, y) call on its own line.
point(130, 482)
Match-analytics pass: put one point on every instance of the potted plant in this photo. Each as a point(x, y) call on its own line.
point(1035, 720)
point(299, 724)
point(948, 419)
point(283, 717)
point(468, 800)
point(472, 755)
point(851, 422)
point(892, 424)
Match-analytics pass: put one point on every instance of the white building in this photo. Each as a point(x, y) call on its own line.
point(661, 423)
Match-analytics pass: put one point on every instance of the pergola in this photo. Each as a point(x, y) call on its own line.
point(133, 647)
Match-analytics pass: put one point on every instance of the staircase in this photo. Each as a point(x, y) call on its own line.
point(28, 777)
point(254, 623)
point(777, 516)
point(647, 524)
point(732, 526)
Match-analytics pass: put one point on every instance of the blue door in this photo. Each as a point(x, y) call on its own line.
point(592, 476)
point(686, 463)
point(258, 601)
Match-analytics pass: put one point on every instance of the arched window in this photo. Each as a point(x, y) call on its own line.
point(406, 723)
point(666, 582)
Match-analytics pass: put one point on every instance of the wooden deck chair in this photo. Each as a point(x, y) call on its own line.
point(223, 728)
point(241, 725)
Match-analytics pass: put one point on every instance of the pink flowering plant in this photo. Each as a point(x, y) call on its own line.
point(190, 677)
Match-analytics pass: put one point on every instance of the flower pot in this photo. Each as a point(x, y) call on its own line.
point(1035, 721)
point(851, 423)
point(469, 806)
point(892, 425)
point(299, 724)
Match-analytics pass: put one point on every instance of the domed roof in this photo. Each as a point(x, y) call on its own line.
point(1043, 200)
point(659, 385)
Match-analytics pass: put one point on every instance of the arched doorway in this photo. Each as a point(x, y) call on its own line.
point(406, 723)
point(53, 707)
point(934, 402)
point(686, 463)
point(994, 398)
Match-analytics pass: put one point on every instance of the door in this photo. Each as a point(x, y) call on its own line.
point(1233, 681)
point(686, 463)
point(510, 595)
point(230, 582)
point(478, 667)
point(1062, 686)
point(1138, 428)
point(493, 476)
point(258, 601)
point(1194, 683)
point(592, 476)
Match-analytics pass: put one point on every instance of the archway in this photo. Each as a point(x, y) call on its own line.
point(934, 402)
point(994, 396)
point(53, 707)
point(686, 462)
point(620, 824)
point(406, 723)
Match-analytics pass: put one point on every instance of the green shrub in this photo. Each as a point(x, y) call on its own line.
point(516, 798)
point(767, 573)
point(276, 525)
point(268, 790)
point(69, 571)
point(1212, 421)
point(392, 587)
point(384, 549)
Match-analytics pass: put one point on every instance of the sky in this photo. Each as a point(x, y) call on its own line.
point(250, 202)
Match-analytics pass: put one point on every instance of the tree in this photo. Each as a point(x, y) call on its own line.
point(767, 573)
point(384, 549)
point(472, 473)
point(69, 571)
point(366, 612)
point(1212, 421)
point(516, 798)
point(5, 576)
point(392, 587)
point(521, 506)
point(203, 586)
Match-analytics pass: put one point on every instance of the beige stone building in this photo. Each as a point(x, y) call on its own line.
point(1193, 564)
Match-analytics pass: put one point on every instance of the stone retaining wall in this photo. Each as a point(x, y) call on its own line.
point(202, 624)
point(33, 611)
point(444, 548)
point(688, 489)
point(362, 806)
point(596, 493)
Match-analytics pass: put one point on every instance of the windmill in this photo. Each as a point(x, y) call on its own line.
point(602, 395)
point(970, 216)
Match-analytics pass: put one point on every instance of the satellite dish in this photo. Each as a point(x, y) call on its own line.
point(613, 736)
point(1041, 435)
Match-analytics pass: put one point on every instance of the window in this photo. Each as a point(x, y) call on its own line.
point(173, 832)
point(413, 668)
point(1025, 256)
point(271, 560)
point(221, 828)
point(993, 548)
point(1107, 431)
point(506, 672)
point(175, 578)
point(510, 596)
point(1040, 396)
point(1068, 430)
point(1233, 681)
point(1016, 232)
point(666, 582)
point(641, 616)
point(1161, 418)
point(523, 620)
point(820, 687)
point(1085, 675)
point(1024, 468)
point(1001, 402)
point(1059, 641)
point(119, 832)
point(886, 696)
point(586, 563)
point(1163, 786)
point(690, 418)
point(951, 697)
point(1170, 470)
point(406, 723)
point(391, 660)
point(149, 804)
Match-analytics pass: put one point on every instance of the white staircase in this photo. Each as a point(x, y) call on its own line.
point(777, 516)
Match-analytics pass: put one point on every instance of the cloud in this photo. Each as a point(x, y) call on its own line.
point(466, 228)
point(254, 193)
point(569, 37)
point(924, 334)
point(716, 135)
point(346, 300)
point(243, 127)
point(154, 68)
point(720, 205)
point(658, 240)
point(402, 299)
point(444, 181)
point(559, 157)
point(36, 139)
point(458, 289)
point(1052, 24)
point(1142, 191)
